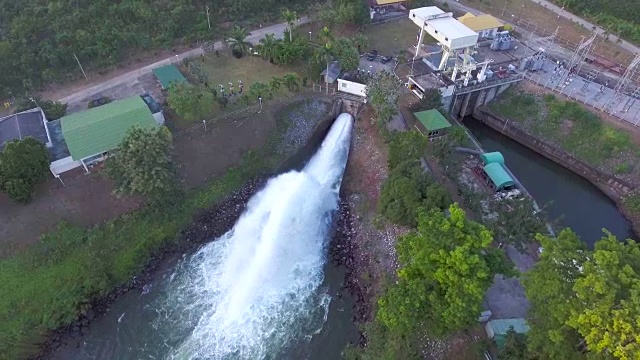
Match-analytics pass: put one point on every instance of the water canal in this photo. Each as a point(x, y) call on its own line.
point(571, 199)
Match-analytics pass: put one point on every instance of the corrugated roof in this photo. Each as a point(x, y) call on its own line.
point(102, 128)
point(432, 120)
point(168, 74)
point(491, 157)
point(498, 175)
point(480, 22)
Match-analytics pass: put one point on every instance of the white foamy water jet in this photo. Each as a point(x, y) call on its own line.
point(257, 288)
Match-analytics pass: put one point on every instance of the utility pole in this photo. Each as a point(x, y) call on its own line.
point(208, 19)
point(83, 73)
point(504, 8)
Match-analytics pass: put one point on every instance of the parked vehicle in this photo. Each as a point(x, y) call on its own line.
point(386, 59)
point(371, 57)
point(99, 102)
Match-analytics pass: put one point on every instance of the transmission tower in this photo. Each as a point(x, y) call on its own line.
point(544, 42)
point(618, 91)
point(635, 95)
point(575, 63)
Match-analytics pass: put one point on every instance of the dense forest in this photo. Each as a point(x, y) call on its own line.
point(620, 17)
point(39, 39)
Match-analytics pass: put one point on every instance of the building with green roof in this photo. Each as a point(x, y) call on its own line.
point(491, 157)
point(434, 123)
point(498, 175)
point(92, 133)
point(168, 74)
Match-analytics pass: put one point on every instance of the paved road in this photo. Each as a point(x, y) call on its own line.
point(254, 38)
point(567, 15)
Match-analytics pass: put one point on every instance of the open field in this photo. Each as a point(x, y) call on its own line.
point(393, 36)
point(223, 68)
point(543, 22)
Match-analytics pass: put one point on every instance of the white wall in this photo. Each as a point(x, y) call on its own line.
point(62, 165)
point(351, 87)
point(159, 118)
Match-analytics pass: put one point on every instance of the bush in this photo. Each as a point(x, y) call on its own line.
point(52, 110)
point(407, 189)
point(23, 165)
point(406, 146)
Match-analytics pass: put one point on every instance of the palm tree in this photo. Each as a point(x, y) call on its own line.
point(237, 40)
point(275, 83)
point(290, 80)
point(268, 47)
point(325, 34)
point(289, 17)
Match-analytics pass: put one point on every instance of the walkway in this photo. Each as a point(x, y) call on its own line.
point(600, 31)
point(254, 38)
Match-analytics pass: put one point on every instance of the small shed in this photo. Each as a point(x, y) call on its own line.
point(497, 329)
point(498, 175)
point(168, 74)
point(485, 25)
point(491, 157)
point(433, 122)
point(334, 72)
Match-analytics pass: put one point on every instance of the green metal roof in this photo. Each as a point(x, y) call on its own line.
point(168, 74)
point(498, 175)
point(102, 128)
point(491, 157)
point(432, 120)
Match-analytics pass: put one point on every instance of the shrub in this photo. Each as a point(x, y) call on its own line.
point(23, 165)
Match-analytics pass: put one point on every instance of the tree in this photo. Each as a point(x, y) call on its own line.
point(238, 40)
point(142, 164)
point(344, 12)
point(291, 81)
point(401, 57)
point(268, 47)
point(606, 311)
point(383, 90)
point(52, 110)
point(346, 54)
point(515, 347)
point(189, 101)
point(258, 89)
point(23, 165)
point(432, 99)
point(406, 146)
point(275, 84)
point(359, 41)
point(513, 221)
point(289, 17)
point(549, 288)
point(443, 275)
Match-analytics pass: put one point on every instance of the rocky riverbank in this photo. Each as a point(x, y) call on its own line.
point(209, 224)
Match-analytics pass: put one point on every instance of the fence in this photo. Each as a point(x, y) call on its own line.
point(236, 116)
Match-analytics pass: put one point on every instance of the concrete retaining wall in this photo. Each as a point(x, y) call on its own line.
point(615, 188)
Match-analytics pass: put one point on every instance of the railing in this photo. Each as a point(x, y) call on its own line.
point(488, 83)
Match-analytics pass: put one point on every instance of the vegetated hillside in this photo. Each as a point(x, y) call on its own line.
point(620, 17)
point(38, 38)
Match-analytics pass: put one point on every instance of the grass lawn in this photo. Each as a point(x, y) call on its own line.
point(392, 36)
point(224, 68)
point(545, 19)
point(572, 128)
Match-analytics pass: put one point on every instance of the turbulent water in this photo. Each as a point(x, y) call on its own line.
point(257, 289)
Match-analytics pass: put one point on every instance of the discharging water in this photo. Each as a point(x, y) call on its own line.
point(257, 292)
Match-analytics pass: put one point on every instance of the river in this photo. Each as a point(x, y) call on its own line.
point(265, 290)
point(571, 199)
